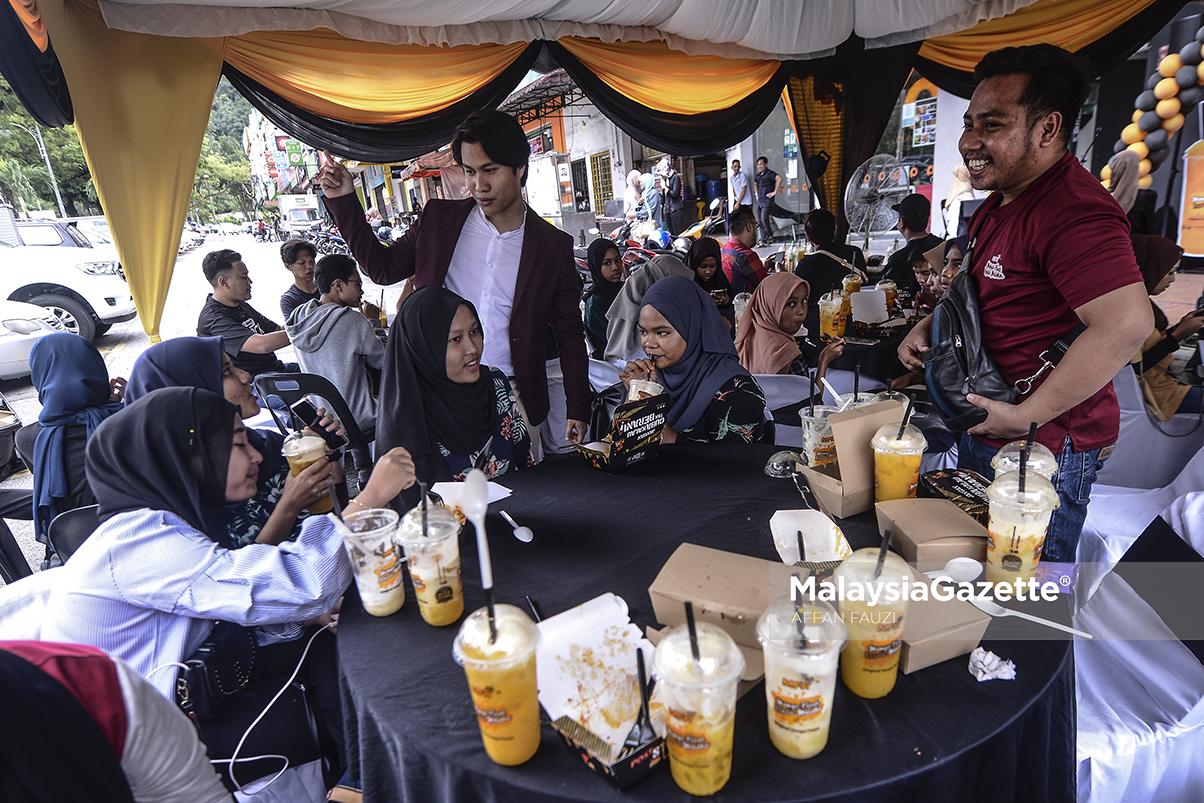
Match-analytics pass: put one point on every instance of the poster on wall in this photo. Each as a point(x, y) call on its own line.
point(1191, 221)
point(923, 131)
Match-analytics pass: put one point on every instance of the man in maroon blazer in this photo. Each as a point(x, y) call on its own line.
point(515, 267)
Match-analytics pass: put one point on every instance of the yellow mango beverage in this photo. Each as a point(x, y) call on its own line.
point(375, 560)
point(892, 294)
point(434, 561)
point(831, 319)
point(700, 705)
point(801, 644)
point(301, 452)
point(501, 679)
point(1017, 525)
point(851, 283)
point(897, 462)
point(869, 664)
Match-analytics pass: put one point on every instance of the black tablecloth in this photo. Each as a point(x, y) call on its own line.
point(939, 736)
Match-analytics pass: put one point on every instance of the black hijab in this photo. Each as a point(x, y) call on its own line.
point(702, 248)
point(420, 406)
point(607, 291)
point(170, 450)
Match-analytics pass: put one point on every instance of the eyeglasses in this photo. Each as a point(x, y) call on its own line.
point(354, 281)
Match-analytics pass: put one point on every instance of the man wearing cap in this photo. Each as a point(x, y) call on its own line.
point(1049, 251)
point(913, 225)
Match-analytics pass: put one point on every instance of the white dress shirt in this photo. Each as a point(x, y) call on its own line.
point(736, 183)
point(484, 270)
point(146, 587)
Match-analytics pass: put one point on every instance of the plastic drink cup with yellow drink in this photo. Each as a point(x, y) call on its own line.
point(700, 705)
point(891, 289)
point(819, 444)
point(897, 462)
point(851, 283)
point(869, 664)
point(375, 560)
point(802, 645)
point(301, 452)
point(831, 319)
point(501, 679)
point(1017, 525)
point(433, 557)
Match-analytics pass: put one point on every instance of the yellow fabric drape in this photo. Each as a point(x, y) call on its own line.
point(366, 82)
point(141, 106)
point(1072, 24)
point(668, 80)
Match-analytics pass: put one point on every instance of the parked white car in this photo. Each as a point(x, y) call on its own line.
point(21, 326)
point(86, 291)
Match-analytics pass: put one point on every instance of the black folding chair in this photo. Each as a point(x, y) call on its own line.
point(290, 388)
point(71, 528)
point(13, 565)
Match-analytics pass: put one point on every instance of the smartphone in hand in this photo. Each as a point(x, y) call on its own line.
point(305, 413)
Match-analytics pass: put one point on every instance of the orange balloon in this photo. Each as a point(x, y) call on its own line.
point(1169, 65)
point(1137, 115)
point(1174, 124)
point(1166, 88)
point(1106, 173)
point(1168, 108)
point(1144, 167)
point(1200, 73)
point(1145, 182)
point(1141, 149)
point(1131, 133)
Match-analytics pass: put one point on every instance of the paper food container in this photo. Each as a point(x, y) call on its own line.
point(635, 437)
point(728, 590)
point(592, 647)
point(824, 545)
point(965, 488)
point(846, 487)
point(928, 533)
point(937, 630)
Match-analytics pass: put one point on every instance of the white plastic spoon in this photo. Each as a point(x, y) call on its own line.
point(475, 502)
point(959, 570)
point(523, 534)
point(995, 609)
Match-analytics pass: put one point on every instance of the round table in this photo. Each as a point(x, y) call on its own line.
point(940, 735)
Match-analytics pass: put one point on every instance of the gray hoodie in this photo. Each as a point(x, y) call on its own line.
point(335, 342)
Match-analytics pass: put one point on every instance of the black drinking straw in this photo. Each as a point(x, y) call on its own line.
point(906, 415)
point(422, 490)
point(856, 379)
point(802, 555)
point(811, 377)
point(882, 554)
point(1025, 451)
point(693, 632)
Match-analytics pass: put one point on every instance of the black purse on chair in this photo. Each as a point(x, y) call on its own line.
point(218, 672)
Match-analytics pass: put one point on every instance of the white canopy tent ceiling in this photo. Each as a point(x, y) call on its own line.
point(776, 29)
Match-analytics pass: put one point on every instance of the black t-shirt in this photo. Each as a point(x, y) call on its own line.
point(898, 267)
point(765, 184)
point(295, 297)
point(824, 275)
point(234, 325)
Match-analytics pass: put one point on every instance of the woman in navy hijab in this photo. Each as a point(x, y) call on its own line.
point(76, 395)
point(690, 352)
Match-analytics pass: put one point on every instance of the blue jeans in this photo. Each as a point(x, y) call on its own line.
point(1076, 475)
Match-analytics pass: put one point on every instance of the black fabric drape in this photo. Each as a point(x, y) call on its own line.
point(679, 134)
point(36, 77)
point(391, 142)
point(842, 104)
point(1101, 55)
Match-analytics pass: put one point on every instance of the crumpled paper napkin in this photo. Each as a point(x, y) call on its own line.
point(986, 665)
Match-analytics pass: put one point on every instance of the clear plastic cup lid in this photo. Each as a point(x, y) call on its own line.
point(720, 660)
point(1038, 491)
point(363, 521)
point(516, 635)
point(440, 523)
point(1040, 459)
point(859, 567)
point(298, 443)
point(832, 298)
point(808, 628)
point(885, 284)
point(885, 439)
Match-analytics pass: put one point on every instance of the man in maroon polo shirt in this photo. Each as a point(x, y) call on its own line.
point(1052, 251)
point(491, 249)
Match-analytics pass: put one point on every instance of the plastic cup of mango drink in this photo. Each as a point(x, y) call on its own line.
point(434, 561)
point(700, 705)
point(819, 444)
point(891, 289)
point(375, 560)
point(1017, 525)
point(869, 664)
point(501, 678)
point(802, 645)
point(897, 462)
point(831, 317)
point(301, 452)
point(851, 283)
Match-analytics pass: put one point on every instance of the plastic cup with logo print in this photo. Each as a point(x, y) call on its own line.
point(819, 444)
point(301, 452)
point(869, 664)
point(802, 647)
point(897, 462)
point(433, 557)
point(375, 560)
point(892, 294)
point(700, 705)
point(1017, 525)
point(501, 679)
point(831, 317)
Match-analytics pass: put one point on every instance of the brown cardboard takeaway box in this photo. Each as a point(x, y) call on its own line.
point(846, 487)
point(728, 590)
point(937, 630)
point(930, 532)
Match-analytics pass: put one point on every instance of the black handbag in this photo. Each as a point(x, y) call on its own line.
point(218, 672)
